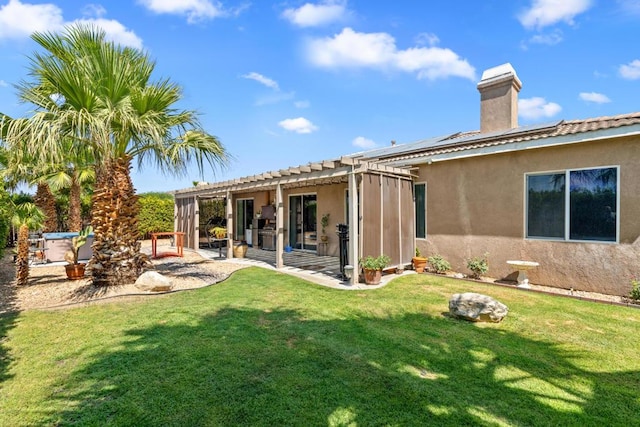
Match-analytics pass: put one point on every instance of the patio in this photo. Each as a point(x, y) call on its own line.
point(322, 270)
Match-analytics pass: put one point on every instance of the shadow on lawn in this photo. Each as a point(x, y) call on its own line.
point(249, 367)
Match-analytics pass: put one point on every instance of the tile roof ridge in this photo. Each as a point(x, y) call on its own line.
point(605, 118)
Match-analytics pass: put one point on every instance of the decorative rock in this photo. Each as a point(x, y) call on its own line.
point(477, 307)
point(152, 281)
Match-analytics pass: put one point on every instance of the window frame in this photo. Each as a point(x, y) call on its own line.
point(567, 205)
point(415, 217)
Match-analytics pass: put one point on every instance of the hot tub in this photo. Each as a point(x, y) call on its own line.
point(58, 244)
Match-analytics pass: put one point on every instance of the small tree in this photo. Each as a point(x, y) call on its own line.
point(26, 216)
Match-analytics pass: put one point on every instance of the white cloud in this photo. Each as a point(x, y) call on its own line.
point(298, 125)
point(631, 70)
point(20, 20)
point(363, 142)
point(94, 11)
point(3, 83)
point(262, 79)
point(594, 97)
point(550, 39)
point(194, 10)
point(543, 13)
point(378, 50)
point(427, 39)
point(536, 108)
point(115, 31)
point(302, 104)
point(314, 15)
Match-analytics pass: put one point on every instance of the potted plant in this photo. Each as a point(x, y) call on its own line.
point(419, 262)
point(324, 222)
point(372, 268)
point(75, 269)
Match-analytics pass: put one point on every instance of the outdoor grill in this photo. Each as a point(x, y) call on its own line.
point(268, 237)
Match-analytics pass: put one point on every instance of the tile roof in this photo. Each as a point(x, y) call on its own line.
point(472, 140)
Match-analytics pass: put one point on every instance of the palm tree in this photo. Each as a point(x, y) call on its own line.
point(46, 201)
point(26, 217)
point(100, 96)
point(74, 173)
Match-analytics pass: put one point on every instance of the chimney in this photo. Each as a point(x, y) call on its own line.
point(499, 89)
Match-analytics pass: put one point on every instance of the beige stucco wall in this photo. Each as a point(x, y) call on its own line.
point(476, 205)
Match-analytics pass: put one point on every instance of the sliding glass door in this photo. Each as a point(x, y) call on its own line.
point(244, 216)
point(302, 222)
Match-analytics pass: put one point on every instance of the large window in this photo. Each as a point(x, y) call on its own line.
point(577, 205)
point(420, 195)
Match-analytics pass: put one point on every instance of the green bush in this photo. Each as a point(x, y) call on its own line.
point(635, 290)
point(156, 213)
point(478, 265)
point(5, 219)
point(439, 264)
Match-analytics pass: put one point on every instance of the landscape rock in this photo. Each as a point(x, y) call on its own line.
point(477, 307)
point(152, 281)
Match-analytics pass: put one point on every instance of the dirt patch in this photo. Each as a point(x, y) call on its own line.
point(49, 287)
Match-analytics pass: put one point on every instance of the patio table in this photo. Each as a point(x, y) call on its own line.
point(179, 240)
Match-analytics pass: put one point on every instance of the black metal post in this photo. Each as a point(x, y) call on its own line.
point(343, 238)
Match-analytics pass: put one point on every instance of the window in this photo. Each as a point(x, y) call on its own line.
point(584, 210)
point(420, 197)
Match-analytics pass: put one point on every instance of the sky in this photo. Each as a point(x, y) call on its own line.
point(290, 82)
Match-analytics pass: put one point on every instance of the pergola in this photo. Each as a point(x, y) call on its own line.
point(384, 216)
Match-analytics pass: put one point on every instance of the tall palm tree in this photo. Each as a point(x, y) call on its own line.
point(26, 216)
point(74, 172)
point(46, 201)
point(100, 96)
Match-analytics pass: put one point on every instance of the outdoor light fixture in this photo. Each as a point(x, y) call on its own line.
point(348, 272)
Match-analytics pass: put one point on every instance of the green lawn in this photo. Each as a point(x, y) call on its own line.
point(267, 349)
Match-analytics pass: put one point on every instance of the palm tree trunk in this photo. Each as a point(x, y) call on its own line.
point(116, 249)
point(22, 260)
point(45, 200)
point(75, 217)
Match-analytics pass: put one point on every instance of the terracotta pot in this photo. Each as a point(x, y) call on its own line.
point(419, 263)
point(324, 238)
point(372, 277)
point(75, 271)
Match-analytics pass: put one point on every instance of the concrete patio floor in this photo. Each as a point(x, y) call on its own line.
point(322, 270)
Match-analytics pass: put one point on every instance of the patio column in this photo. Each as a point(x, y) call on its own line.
point(229, 226)
point(279, 227)
point(354, 220)
point(196, 224)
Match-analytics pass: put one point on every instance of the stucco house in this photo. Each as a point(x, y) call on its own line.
point(564, 194)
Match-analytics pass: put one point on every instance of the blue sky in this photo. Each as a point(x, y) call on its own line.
point(289, 82)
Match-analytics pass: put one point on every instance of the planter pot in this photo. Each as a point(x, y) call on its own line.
point(240, 249)
point(419, 263)
point(324, 238)
point(75, 271)
point(372, 277)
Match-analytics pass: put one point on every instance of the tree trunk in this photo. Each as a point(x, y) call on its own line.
point(116, 256)
point(22, 259)
point(45, 200)
point(75, 216)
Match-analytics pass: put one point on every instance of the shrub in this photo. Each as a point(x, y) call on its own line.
point(635, 289)
point(478, 265)
point(378, 263)
point(156, 214)
point(439, 264)
point(5, 218)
